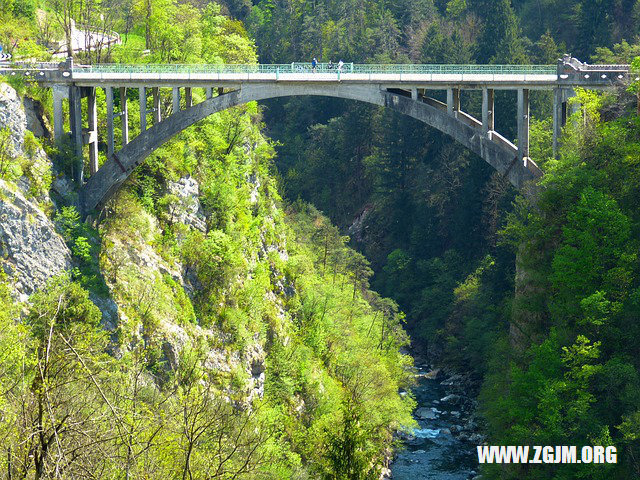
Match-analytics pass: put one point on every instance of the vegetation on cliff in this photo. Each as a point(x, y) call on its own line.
point(244, 341)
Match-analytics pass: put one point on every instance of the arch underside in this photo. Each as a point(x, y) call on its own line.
point(499, 153)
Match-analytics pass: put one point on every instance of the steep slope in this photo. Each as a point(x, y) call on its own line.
point(195, 329)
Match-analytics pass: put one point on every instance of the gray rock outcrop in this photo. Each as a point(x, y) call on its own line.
point(35, 118)
point(187, 209)
point(31, 249)
point(13, 118)
point(18, 118)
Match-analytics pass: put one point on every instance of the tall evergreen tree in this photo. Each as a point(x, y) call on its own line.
point(500, 40)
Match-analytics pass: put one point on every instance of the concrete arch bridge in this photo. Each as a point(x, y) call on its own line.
point(403, 88)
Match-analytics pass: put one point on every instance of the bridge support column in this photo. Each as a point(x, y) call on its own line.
point(453, 100)
point(414, 93)
point(157, 115)
point(142, 92)
point(573, 107)
point(488, 104)
point(124, 115)
point(92, 114)
point(176, 99)
point(523, 124)
point(59, 94)
point(209, 92)
point(75, 120)
point(559, 113)
point(188, 98)
point(110, 137)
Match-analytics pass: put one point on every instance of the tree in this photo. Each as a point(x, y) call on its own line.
point(63, 418)
point(500, 40)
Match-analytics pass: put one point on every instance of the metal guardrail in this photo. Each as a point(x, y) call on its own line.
point(32, 66)
point(598, 68)
point(320, 68)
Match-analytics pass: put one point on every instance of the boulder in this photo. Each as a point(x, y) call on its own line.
point(454, 399)
point(431, 374)
point(426, 414)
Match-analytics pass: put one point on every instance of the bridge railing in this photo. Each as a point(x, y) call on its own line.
point(456, 69)
point(297, 67)
point(31, 66)
point(616, 68)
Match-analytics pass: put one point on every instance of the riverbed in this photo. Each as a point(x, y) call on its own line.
point(443, 447)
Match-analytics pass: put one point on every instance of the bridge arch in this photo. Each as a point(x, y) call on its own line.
point(494, 149)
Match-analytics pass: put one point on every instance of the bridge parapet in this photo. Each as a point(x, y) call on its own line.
point(572, 71)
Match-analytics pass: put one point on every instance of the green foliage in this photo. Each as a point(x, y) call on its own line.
point(500, 41)
point(580, 385)
point(85, 246)
point(9, 164)
point(175, 32)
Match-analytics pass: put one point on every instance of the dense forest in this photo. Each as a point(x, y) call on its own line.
point(539, 302)
point(334, 234)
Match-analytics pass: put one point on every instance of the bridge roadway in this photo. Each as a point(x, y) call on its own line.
point(404, 88)
point(543, 77)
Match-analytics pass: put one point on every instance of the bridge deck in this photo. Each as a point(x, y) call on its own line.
point(412, 76)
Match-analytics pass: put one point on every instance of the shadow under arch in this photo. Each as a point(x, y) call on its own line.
point(501, 154)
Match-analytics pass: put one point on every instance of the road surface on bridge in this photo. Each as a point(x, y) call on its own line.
point(542, 77)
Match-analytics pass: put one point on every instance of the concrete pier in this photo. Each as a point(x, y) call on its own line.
point(523, 125)
point(176, 99)
point(60, 93)
point(157, 115)
point(92, 134)
point(488, 105)
point(75, 121)
point(124, 115)
point(110, 135)
point(142, 96)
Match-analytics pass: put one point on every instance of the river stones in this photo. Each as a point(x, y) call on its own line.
point(452, 398)
point(425, 413)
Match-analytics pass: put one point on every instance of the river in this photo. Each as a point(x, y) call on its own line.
point(433, 452)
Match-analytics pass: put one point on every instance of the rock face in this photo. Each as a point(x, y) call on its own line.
point(18, 119)
point(187, 209)
point(31, 250)
point(35, 118)
point(12, 117)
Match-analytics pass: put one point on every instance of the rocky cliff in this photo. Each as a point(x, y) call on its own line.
point(31, 249)
point(137, 276)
